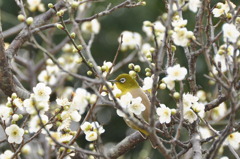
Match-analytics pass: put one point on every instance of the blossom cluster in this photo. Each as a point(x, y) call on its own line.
point(92, 130)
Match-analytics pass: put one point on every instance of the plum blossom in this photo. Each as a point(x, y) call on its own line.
point(164, 114)
point(42, 92)
point(179, 22)
point(222, 9)
point(5, 113)
point(189, 115)
point(92, 130)
point(147, 83)
point(176, 73)
point(233, 140)
point(35, 123)
point(92, 26)
point(35, 5)
point(181, 36)
point(6, 155)
point(15, 134)
point(130, 40)
point(194, 5)
point(218, 112)
point(170, 83)
point(136, 106)
point(80, 100)
point(230, 32)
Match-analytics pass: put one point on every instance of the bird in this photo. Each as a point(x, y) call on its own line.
point(127, 84)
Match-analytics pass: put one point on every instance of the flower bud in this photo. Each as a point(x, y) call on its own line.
point(148, 74)
point(176, 95)
point(91, 146)
point(90, 64)
point(21, 18)
point(72, 35)
point(173, 47)
point(132, 73)
point(143, 3)
point(93, 99)
point(173, 111)
point(147, 70)
point(162, 86)
point(29, 20)
point(137, 68)
point(50, 5)
point(74, 4)
point(14, 96)
point(15, 117)
point(74, 50)
point(147, 23)
point(131, 66)
point(89, 73)
point(80, 47)
point(60, 13)
point(60, 26)
point(61, 149)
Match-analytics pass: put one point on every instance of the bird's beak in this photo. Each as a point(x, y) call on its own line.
point(113, 81)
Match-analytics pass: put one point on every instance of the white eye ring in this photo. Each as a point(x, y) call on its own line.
point(122, 80)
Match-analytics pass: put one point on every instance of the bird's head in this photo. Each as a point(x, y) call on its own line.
point(125, 83)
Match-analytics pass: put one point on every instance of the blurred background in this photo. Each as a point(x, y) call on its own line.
point(104, 48)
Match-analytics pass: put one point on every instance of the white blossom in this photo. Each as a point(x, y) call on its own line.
point(92, 130)
point(147, 83)
point(35, 123)
point(201, 95)
point(145, 52)
point(15, 134)
point(65, 124)
point(92, 26)
point(176, 73)
point(204, 132)
point(80, 100)
point(233, 140)
point(47, 78)
point(189, 100)
point(65, 138)
point(5, 113)
point(194, 5)
point(181, 36)
point(130, 40)
point(91, 136)
point(164, 114)
point(31, 105)
point(35, 5)
point(106, 66)
point(63, 102)
point(136, 106)
point(169, 82)
point(218, 112)
point(18, 102)
point(42, 92)
point(26, 149)
point(230, 32)
point(220, 59)
point(189, 115)
point(158, 27)
point(179, 22)
point(124, 101)
point(222, 9)
point(72, 114)
point(7, 154)
point(86, 126)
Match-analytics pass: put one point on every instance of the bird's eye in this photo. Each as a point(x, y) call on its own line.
point(122, 80)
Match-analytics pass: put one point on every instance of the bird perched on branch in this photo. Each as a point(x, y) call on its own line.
point(127, 84)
